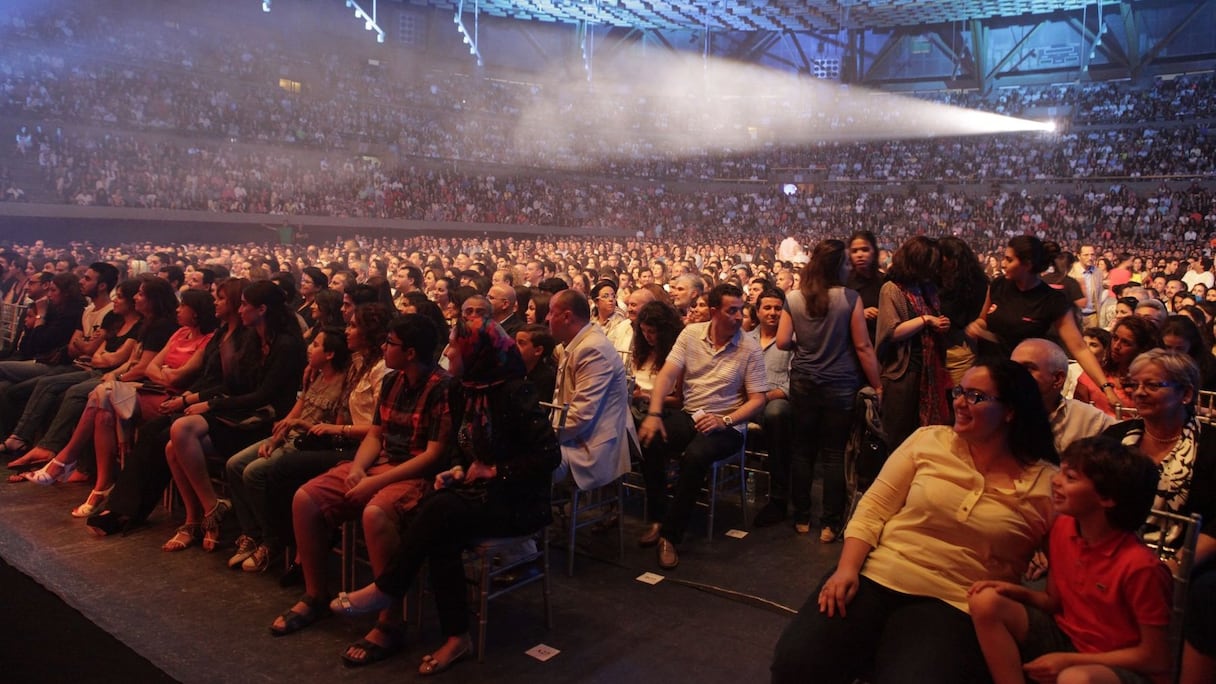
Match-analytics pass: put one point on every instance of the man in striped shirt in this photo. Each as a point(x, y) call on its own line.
point(724, 384)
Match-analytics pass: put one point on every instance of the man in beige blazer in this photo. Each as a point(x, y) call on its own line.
point(598, 433)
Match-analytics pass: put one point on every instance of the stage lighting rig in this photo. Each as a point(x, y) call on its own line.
point(369, 20)
point(469, 39)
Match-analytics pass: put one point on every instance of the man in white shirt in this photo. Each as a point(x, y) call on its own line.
point(1070, 419)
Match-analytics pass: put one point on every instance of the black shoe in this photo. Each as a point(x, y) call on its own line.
point(772, 513)
point(106, 523)
point(293, 576)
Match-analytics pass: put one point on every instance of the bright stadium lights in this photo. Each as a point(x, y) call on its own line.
point(369, 20)
point(265, 5)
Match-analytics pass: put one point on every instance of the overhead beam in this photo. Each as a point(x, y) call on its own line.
point(1012, 51)
point(1161, 44)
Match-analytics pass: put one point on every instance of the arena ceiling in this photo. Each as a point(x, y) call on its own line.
point(761, 15)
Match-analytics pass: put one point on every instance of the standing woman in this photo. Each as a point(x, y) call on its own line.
point(271, 362)
point(961, 293)
point(1020, 306)
point(824, 324)
point(865, 278)
point(312, 281)
point(912, 343)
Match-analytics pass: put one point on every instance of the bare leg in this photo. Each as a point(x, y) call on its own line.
point(194, 507)
point(188, 435)
point(311, 535)
point(380, 532)
point(105, 446)
point(1000, 624)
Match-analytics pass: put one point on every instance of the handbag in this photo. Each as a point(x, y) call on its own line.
point(123, 398)
point(247, 420)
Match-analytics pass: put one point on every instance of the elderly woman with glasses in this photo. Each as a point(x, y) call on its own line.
point(1164, 386)
point(952, 506)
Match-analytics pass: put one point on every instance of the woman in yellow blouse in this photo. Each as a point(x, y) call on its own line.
point(950, 507)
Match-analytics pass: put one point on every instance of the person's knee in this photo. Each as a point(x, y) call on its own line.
point(302, 504)
point(185, 428)
point(375, 521)
point(986, 605)
point(1086, 674)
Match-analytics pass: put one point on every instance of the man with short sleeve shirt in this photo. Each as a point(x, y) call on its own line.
point(724, 386)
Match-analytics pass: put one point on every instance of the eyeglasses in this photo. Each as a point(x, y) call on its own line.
point(474, 312)
point(972, 397)
point(393, 343)
point(1130, 385)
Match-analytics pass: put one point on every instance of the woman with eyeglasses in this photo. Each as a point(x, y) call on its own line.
point(604, 312)
point(952, 506)
point(1164, 386)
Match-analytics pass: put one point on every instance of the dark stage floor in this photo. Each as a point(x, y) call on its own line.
point(714, 619)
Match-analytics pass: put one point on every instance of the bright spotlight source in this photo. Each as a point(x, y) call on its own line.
point(789, 189)
point(265, 5)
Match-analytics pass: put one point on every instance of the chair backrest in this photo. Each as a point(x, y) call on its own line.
point(1173, 537)
point(1205, 405)
point(557, 413)
point(10, 322)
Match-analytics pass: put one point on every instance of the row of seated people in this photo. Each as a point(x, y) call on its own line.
point(703, 357)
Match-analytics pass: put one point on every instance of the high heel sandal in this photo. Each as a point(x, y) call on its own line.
point(43, 475)
point(183, 539)
point(97, 499)
point(211, 524)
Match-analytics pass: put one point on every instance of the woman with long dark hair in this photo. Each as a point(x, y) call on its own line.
point(824, 324)
point(654, 334)
point(224, 419)
point(864, 276)
point(951, 506)
point(962, 285)
point(912, 343)
point(1131, 337)
point(1020, 306)
point(312, 282)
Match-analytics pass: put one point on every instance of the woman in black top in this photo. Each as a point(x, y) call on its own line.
point(864, 277)
point(1021, 306)
point(223, 419)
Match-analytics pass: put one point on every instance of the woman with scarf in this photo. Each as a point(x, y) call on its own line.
point(1163, 385)
point(912, 344)
point(498, 485)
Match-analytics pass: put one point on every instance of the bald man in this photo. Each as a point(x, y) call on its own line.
point(1070, 419)
point(622, 335)
point(502, 298)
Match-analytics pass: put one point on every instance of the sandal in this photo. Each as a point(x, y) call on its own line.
point(373, 652)
point(432, 666)
point(97, 499)
point(294, 621)
point(43, 475)
point(8, 452)
point(183, 539)
point(211, 524)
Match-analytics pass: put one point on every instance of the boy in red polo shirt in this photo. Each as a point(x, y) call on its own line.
point(1104, 615)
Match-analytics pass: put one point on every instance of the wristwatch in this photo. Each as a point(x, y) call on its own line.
point(726, 420)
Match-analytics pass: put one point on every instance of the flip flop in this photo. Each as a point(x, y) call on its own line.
point(294, 622)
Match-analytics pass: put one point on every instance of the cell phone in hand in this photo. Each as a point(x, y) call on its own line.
point(698, 415)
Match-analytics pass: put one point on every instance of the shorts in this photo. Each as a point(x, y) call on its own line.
point(1045, 636)
point(328, 491)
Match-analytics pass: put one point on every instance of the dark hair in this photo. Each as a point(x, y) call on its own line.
point(821, 274)
point(287, 282)
point(1102, 335)
point(1029, 434)
point(767, 293)
point(666, 322)
point(540, 299)
point(335, 342)
point(540, 337)
point(69, 287)
point(599, 287)
point(329, 308)
point(127, 289)
point(1143, 331)
point(870, 238)
point(174, 274)
point(1033, 252)
point(553, 285)
point(373, 322)
point(1198, 348)
point(1129, 302)
point(231, 289)
point(714, 296)
point(418, 333)
point(361, 293)
point(1120, 473)
point(279, 320)
point(107, 274)
point(316, 275)
point(159, 295)
point(915, 262)
point(203, 306)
